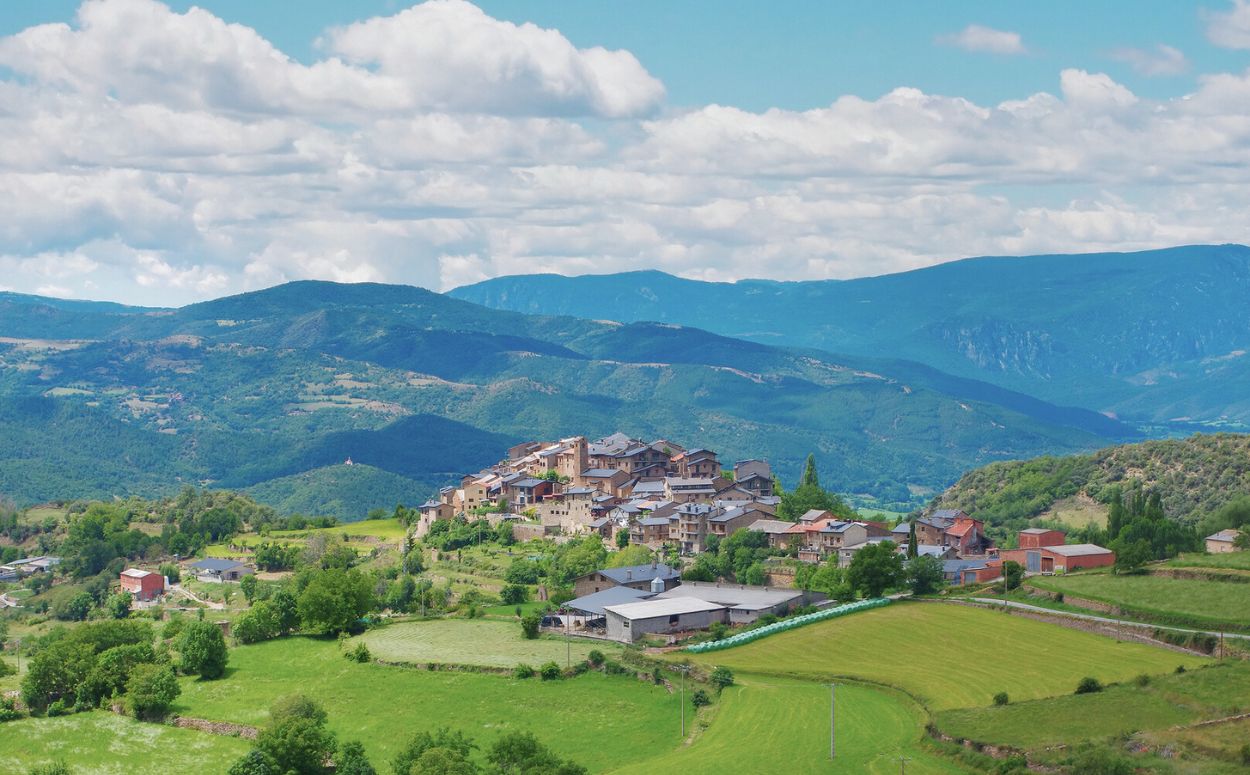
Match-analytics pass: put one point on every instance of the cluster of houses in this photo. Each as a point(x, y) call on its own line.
point(147, 586)
point(27, 566)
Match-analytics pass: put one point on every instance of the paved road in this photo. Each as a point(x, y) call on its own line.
point(1091, 617)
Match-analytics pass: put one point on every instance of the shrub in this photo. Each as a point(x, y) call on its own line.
point(1088, 685)
point(59, 708)
point(1244, 754)
point(611, 667)
point(359, 654)
point(718, 630)
point(8, 710)
point(522, 671)
point(550, 671)
point(529, 626)
point(1180, 669)
point(512, 594)
point(595, 656)
point(6, 669)
point(700, 698)
point(722, 677)
point(151, 690)
point(203, 650)
point(581, 668)
point(1142, 680)
point(657, 676)
point(173, 627)
point(1001, 698)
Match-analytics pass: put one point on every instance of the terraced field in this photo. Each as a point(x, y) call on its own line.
point(474, 642)
point(1198, 602)
point(910, 645)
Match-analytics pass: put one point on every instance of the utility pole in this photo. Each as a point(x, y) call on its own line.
point(902, 765)
point(683, 669)
point(568, 643)
point(833, 704)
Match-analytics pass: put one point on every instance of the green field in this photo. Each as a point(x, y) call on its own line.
point(473, 642)
point(106, 744)
point(1233, 560)
point(384, 529)
point(949, 656)
point(774, 724)
point(1214, 692)
point(594, 719)
point(1213, 603)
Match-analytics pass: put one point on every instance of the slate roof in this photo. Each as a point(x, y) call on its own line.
point(597, 602)
point(654, 608)
point(1229, 535)
point(732, 595)
point(1077, 550)
point(771, 526)
point(214, 564)
point(632, 573)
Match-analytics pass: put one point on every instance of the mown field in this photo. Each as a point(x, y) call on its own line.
point(1160, 714)
point(1233, 560)
point(950, 656)
point(1210, 603)
point(594, 719)
point(474, 642)
point(775, 724)
point(103, 743)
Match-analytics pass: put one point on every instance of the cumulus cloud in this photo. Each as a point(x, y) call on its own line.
point(988, 40)
point(1231, 28)
point(159, 157)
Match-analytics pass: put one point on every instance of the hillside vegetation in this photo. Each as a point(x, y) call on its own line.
point(1194, 478)
point(267, 389)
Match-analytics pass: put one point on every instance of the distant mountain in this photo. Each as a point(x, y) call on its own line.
point(1154, 337)
point(271, 391)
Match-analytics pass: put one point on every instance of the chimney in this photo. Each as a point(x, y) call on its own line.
point(629, 575)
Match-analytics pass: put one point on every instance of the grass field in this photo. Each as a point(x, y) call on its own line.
point(774, 724)
point(950, 656)
point(1211, 602)
point(383, 529)
point(106, 744)
point(1233, 560)
point(1214, 692)
point(594, 719)
point(473, 642)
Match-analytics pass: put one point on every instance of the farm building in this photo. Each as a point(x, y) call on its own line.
point(215, 570)
point(26, 566)
point(960, 572)
point(636, 576)
point(1222, 542)
point(627, 622)
point(1060, 559)
point(744, 603)
point(1037, 537)
point(143, 585)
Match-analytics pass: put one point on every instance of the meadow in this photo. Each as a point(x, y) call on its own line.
point(1216, 691)
point(772, 724)
point(1231, 560)
point(949, 656)
point(1213, 604)
point(595, 719)
point(489, 643)
point(103, 743)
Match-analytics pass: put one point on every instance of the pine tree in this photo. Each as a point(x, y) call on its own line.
point(912, 550)
point(809, 473)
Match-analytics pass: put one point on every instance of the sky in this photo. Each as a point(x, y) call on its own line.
point(163, 153)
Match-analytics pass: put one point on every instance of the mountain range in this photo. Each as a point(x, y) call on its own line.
point(273, 391)
point(1157, 338)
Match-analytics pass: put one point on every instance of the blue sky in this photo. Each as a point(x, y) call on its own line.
point(156, 154)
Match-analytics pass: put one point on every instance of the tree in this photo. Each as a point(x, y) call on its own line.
point(255, 762)
point(722, 677)
point(874, 569)
point(455, 747)
point(203, 650)
point(74, 609)
point(809, 495)
point(622, 538)
point(287, 610)
point(1088, 685)
point(351, 760)
point(631, 555)
point(1130, 556)
point(913, 543)
point(296, 739)
point(118, 605)
point(258, 624)
point(1013, 574)
point(334, 600)
point(151, 690)
point(55, 674)
point(924, 575)
point(247, 585)
point(513, 594)
point(521, 753)
point(529, 626)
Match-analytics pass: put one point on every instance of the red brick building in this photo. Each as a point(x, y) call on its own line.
point(143, 585)
point(1037, 537)
point(1060, 559)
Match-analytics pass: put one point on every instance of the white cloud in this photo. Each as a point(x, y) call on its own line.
point(1231, 28)
point(988, 40)
point(1162, 60)
point(160, 158)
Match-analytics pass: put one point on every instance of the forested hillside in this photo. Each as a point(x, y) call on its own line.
point(266, 390)
point(1193, 478)
point(1158, 337)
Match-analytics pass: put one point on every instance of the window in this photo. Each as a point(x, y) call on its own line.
point(674, 619)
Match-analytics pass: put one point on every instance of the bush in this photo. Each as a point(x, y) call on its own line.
point(8, 710)
point(514, 594)
point(1001, 698)
point(151, 690)
point(1244, 754)
point(203, 650)
point(522, 671)
point(1088, 685)
point(657, 676)
point(595, 656)
point(700, 698)
point(612, 667)
point(718, 630)
point(6, 669)
point(1142, 680)
point(1180, 669)
point(59, 708)
point(359, 654)
point(57, 767)
point(550, 671)
point(173, 627)
point(722, 677)
point(529, 626)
